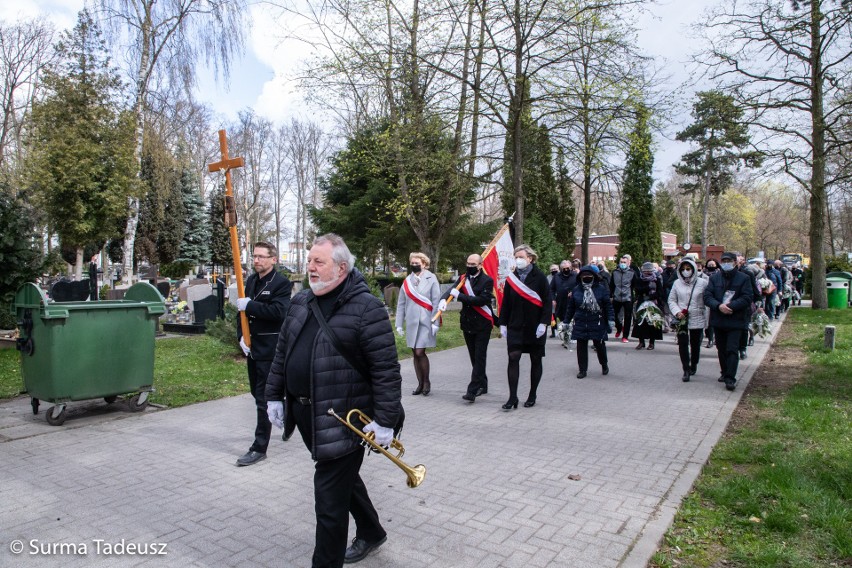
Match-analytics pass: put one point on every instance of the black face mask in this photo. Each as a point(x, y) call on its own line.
point(710, 269)
point(554, 272)
point(472, 270)
point(416, 268)
point(566, 271)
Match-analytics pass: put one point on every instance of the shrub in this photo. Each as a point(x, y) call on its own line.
point(225, 330)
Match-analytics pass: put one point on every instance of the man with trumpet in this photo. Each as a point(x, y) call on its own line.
point(336, 351)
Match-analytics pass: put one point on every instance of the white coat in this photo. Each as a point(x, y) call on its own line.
point(679, 298)
point(418, 321)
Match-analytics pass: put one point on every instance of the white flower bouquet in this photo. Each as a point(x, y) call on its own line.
point(760, 325)
point(649, 313)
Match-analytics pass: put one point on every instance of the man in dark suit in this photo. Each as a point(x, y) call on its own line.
point(474, 290)
point(729, 296)
point(265, 304)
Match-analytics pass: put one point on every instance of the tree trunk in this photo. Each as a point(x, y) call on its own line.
point(78, 264)
point(706, 205)
point(819, 295)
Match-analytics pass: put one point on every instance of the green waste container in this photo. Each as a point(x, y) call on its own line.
point(838, 292)
point(85, 350)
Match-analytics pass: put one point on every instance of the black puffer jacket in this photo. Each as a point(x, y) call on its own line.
point(361, 323)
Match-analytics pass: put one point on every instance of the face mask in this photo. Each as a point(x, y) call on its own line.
point(416, 268)
point(566, 271)
point(623, 266)
point(588, 281)
point(472, 270)
point(686, 273)
point(727, 266)
point(521, 263)
point(554, 272)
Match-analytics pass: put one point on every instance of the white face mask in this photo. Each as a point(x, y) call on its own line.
point(521, 263)
point(686, 273)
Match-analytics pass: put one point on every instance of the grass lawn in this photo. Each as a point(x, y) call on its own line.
point(777, 490)
point(197, 368)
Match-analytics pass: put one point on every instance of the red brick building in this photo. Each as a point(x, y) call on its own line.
point(605, 247)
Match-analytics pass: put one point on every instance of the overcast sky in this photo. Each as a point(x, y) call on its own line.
point(260, 79)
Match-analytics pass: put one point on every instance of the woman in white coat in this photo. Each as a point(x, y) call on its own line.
point(418, 302)
point(686, 302)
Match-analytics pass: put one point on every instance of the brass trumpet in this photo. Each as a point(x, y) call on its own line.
point(415, 474)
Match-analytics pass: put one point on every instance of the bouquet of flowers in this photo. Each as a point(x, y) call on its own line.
point(179, 307)
point(760, 325)
point(563, 331)
point(649, 313)
point(681, 326)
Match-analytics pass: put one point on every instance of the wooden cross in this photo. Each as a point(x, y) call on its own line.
point(225, 166)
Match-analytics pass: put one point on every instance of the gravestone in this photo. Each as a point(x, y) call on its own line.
point(68, 291)
point(163, 287)
point(205, 309)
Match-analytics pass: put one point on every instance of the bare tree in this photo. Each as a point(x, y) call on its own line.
point(25, 49)
point(790, 62)
point(168, 38)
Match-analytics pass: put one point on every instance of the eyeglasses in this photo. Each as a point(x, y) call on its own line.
point(261, 256)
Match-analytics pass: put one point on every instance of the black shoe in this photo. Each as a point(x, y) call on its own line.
point(750, 341)
point(581, 375)
point(693, 370)
point(510, 404)
point(709, 343)
point(605, 369)
point(731, 384)
point(427, 388)
point(469, 397)
point(418, 390)
point(685, 377)
point(721, 378)
point(640, 346)
point(743, 354)
point(360, 549)
point(250, 458)
point(529, 403)
point(481, 391)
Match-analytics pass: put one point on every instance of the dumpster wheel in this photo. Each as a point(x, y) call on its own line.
point(55, 418)
point(110, 399)
point(138, 402)
point(34, 402)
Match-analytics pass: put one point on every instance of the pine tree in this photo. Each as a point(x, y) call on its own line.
point(220, 239)
point(667, 217)
point(565, 228)
point(196, 230)
point(81, 166)
point(639, 232)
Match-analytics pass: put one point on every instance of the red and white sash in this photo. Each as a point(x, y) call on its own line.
point(484, 311)
point(416, 297)
point(523, 290)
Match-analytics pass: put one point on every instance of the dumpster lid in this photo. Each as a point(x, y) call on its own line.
point(839, 274)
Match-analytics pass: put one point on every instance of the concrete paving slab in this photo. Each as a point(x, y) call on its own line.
point(591, 476)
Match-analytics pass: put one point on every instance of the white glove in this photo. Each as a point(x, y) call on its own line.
point(454, 293)
point(399, 332)
point(442, 306)
point(242, 303)
point(539, 331)
point(246, 349)
point(384, 436)
point(504, 331)
point(435, 328)
point(275, 412)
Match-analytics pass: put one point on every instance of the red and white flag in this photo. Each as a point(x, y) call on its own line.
point(499, 260)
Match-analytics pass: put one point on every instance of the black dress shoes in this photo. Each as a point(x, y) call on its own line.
point(250, 458)
point(581, 375)
point(529, 403)
point(510, 404)
point(731, 384)
point(685, 377)
point(743, 354)
point(605, 369)
point(359, 549)
point(481, 391)
point(469, 397)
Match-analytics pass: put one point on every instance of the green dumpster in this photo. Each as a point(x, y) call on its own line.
point(838, 292)
point(85, 350)
point(847, 276)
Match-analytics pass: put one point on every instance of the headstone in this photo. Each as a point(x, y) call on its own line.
point(164, 287)
point(182, 291)
point(232, 294)
point(68, 291)
point(196, 293)
point(205, 309)
point(149, 272)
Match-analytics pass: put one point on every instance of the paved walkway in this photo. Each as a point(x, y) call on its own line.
point(589, 477)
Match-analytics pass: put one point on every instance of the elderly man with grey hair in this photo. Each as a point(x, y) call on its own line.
point(336, 352)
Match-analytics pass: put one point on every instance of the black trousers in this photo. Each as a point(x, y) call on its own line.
point(257, 372)
point(477, 348)
point(628, 316)
point(728, 349)
point(689, 347)
point(338, 491)
point(583, 353)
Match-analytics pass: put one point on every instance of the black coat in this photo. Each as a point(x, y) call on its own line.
point(360, 321)
point(265, 312)
point(588, 324)
point(646, 292)
point(521, 317)
point(742, 296)
point(560, 287)
point(470, 320)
